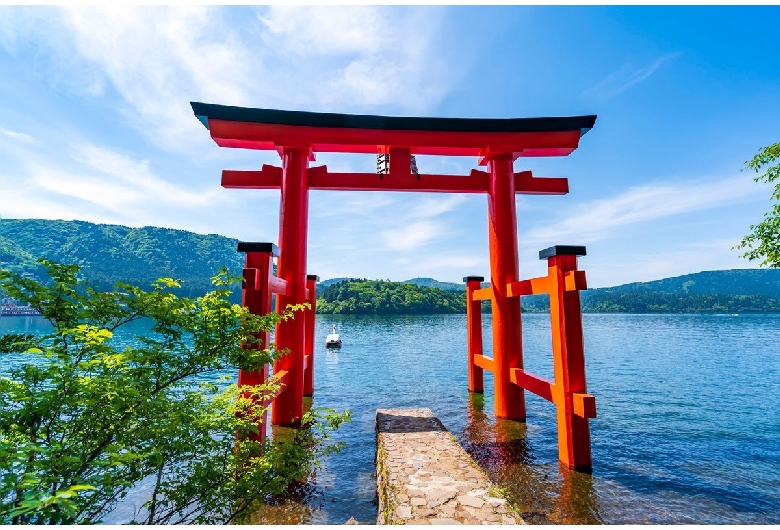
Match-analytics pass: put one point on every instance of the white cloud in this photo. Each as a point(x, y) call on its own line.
point(21, 202)
point(18, 136)
point(321, 30)
point(158, 59)
point(626, 77)
point(137, 178)
point(361, 56)
point(102, 186)
point(599, 219)
point(412, 228)
point(343, 204)
point(109, 195)
point(411, 236)
point(429, 207)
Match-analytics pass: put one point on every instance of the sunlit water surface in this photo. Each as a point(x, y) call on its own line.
point(688, 429)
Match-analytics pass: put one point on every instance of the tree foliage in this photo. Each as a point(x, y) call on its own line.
point(109, 253)
point(750, 291)
point(657, 302)
point(602, 301)
point(391, 298)
point(763, 242)
point(86, 416)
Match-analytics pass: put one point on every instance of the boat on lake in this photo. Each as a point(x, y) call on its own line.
point(333, 340)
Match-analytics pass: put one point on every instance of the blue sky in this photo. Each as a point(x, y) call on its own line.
point(95, 125)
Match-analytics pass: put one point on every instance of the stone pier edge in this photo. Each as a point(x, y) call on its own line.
point(421, 442)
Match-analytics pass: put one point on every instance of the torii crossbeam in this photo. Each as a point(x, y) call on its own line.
point(496, 143)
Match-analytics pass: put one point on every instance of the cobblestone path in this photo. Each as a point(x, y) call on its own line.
point(425, 477)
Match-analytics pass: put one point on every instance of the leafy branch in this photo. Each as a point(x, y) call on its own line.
point(763, 242)
point(87, 417)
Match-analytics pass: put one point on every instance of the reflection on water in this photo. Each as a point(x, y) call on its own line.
point(543, 497)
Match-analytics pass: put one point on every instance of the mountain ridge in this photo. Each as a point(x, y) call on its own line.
point(109, 253)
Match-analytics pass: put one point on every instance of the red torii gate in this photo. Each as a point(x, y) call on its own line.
point(497, 143)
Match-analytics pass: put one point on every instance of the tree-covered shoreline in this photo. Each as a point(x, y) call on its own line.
point(356, 297)
point(379, 297)
point(107, 254)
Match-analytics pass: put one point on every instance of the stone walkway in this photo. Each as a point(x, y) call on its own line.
point(425, 477)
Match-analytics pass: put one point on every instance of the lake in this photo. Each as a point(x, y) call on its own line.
point(688, 429)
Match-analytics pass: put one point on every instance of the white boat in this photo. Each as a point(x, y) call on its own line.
point(333, 340)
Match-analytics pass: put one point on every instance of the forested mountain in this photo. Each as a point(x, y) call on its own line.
point(763, 282)
point(111, 253)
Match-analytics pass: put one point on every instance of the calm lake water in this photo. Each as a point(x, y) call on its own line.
point(688, 426)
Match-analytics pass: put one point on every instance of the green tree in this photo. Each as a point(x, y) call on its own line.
point(763, 242)
point(86, 417)
point(385, 297)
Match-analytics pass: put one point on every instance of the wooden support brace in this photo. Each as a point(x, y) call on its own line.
point(277, 379)
point(278, 286)
point(575, 281)
point(270, 177)
point(538, 385)
point(483, 294)
point(322, 179)
point(485, 363)
point(584, 405)
point(526, 287)
point(527, 184)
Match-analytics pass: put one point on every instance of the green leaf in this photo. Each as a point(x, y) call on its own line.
point(91, 416)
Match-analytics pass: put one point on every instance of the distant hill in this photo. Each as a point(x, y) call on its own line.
point(658, 302)
point(388, 298)
point(729, 291)
point(111, 253)
point(763, 282)
point(332, 281)
point(430, 282)
point(421, 282)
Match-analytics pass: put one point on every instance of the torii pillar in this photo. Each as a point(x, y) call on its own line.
point(502, 238)
point(293, 232)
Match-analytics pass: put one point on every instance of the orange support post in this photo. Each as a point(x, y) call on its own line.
point(290, 334)
point(507, 343)
point(574, 405)
point(308, 376)
point(256, 296)
point(474, 332)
